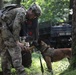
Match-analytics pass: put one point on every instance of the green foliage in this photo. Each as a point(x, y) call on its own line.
point(73, 72)
point(53, 10)
point(35, 69)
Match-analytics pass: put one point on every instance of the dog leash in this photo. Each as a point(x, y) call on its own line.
point(42, 69)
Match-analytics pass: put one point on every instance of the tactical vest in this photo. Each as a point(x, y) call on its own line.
point(29, 29)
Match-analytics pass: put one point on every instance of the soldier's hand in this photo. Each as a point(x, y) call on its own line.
point(20, 44)
point(29, 48)
point(26, 48)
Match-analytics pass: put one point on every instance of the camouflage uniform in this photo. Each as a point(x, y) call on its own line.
point(11, 51)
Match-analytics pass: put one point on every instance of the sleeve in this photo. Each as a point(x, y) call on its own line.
point(20, 17)
point(36, 29)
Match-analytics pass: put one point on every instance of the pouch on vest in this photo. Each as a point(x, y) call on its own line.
point(4, 11)
point(8, 8)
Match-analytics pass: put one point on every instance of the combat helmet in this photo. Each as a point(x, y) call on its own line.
point(36, 9)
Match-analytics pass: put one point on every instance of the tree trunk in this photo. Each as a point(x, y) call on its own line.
point(1, 4)
point(73, 60)
point(70, 15)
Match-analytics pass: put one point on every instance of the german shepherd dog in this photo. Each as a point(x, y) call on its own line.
point(52, 55)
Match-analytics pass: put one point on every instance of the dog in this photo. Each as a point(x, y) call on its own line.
point(52, 55)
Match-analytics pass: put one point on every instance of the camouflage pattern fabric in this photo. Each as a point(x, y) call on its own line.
point(11, 52)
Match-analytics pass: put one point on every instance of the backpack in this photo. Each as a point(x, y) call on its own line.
point(4, 11)
point(9, 7)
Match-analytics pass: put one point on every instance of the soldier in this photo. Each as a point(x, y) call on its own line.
point(30, 31)
point(12, 23)
point(30, 27)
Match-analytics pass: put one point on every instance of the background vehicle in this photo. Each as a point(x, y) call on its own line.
point(57, 36)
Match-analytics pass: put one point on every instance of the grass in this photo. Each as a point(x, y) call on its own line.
point(35, 69)
point(73, 72)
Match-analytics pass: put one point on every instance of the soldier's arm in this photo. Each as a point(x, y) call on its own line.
point(20, 16)
point(36, 29)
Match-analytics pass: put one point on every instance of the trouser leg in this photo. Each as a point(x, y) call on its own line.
point(6, 66)
point(15, 54)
